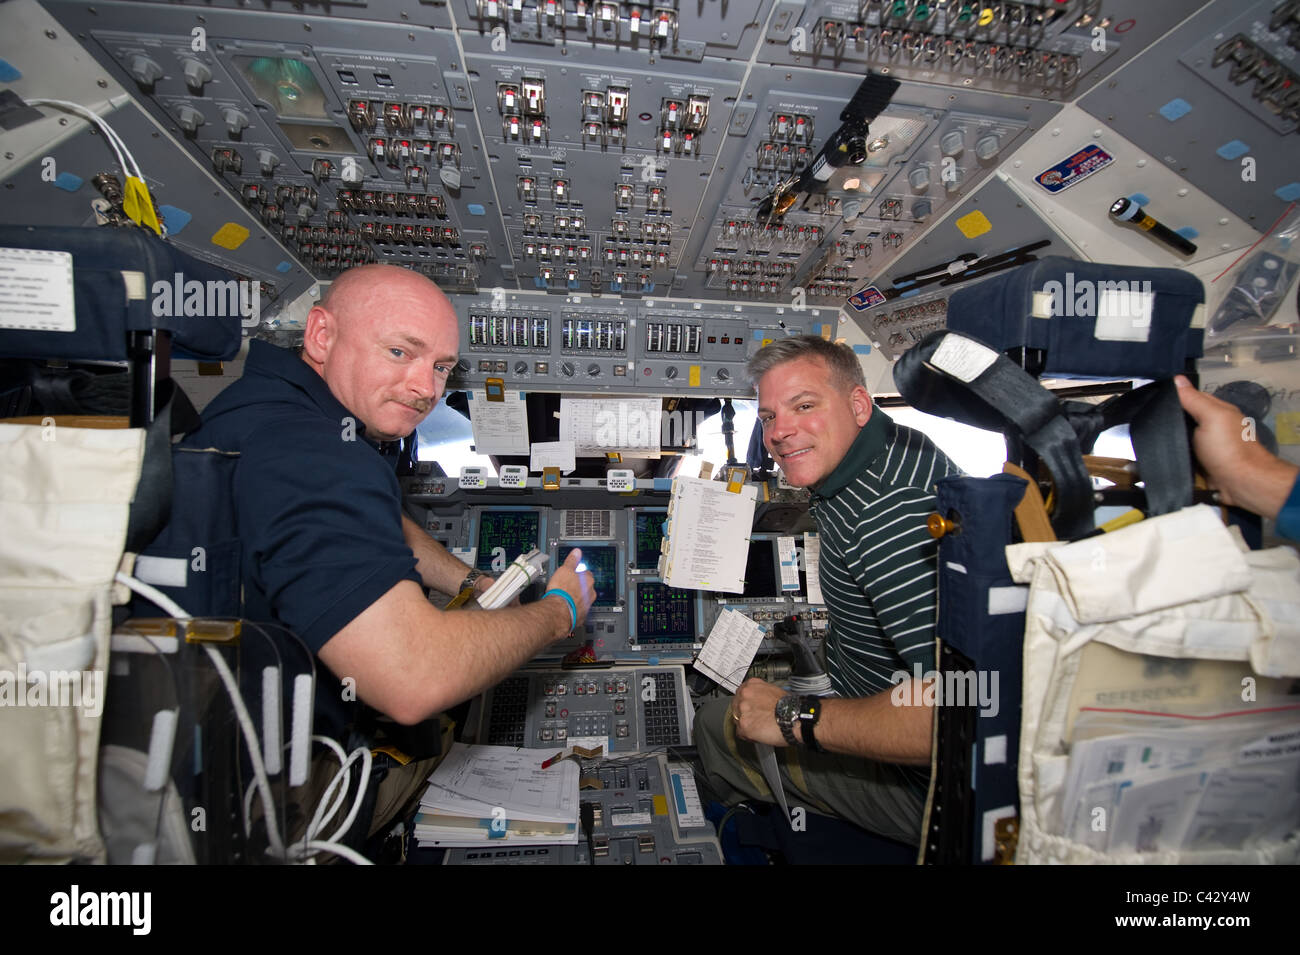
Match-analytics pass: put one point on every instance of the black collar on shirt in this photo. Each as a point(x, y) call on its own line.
point(870, 443)
point(288, 364)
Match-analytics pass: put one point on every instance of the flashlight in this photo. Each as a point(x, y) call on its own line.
point(1126, 210)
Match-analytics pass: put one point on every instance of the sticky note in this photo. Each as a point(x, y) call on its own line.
point(230, 236)
point(1287, 427)
point(974, 224)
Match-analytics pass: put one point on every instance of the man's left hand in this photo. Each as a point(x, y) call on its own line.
point(754, 710)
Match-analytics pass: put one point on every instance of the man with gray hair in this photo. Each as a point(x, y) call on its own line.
point(858, 755)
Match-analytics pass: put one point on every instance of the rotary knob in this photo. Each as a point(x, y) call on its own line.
point(724, 375)
point(190, 118)
point(988, 147)
point(521, 368)
point(267, 161)
point(145, 70)
point(593, 370)
point(671, 372)
point(196, 74)
point(236, 122)
point(567, 369)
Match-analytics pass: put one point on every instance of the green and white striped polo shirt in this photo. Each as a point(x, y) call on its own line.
point(878, 562)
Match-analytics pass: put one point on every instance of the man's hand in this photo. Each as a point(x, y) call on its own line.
point(581, 586)
point(754, 710)
point(1245, 473)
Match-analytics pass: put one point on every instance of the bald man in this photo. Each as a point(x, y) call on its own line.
point(325, 549)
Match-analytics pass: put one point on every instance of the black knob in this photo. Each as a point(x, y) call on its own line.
point(521, 368)
point(567, 369)
point(671, 373)
point(593, 369)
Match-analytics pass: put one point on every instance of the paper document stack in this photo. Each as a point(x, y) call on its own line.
point(1173, 782)
point(707, 523)
point(499, 794)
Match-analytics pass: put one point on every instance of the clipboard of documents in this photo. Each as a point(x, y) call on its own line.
point(497, 794)
point(706, 541)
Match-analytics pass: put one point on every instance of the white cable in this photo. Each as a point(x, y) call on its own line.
point(367, 762)
point(346, 760)
point(94, 119)
point(262, 782)
point(115, 141)
point(317, 823)
point(356, 858)
point(236, 699)
point(301, 852)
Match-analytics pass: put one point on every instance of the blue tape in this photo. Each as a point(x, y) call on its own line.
point(1175, 109)
point(1140, 198)
point(862, 349)
point(68, 182)
point(679, 794)
point(1290, 192)
point(175, 219)
point(9, 72)
point(284, 267)
point(1233, 150)
point(475, 209)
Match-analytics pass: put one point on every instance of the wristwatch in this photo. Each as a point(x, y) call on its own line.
point(810, 711)
point(468, 582)
point(787, 710)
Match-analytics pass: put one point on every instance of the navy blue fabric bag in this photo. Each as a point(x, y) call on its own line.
point(1091, 319)
point(116, 272)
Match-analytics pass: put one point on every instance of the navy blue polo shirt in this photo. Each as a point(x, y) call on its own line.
point(318, 505)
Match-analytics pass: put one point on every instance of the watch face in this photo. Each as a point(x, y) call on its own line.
point(787, 708)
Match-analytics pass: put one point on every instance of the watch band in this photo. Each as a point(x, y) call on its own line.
point(810, 712)
point(786, 712)
point(468, 582)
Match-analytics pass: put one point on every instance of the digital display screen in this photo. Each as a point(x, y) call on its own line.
point(664, 614)
point(649, 538)
point(603, 564)
point(503, 536)
point(761, 578)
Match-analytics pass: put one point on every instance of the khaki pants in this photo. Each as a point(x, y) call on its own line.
point(876, 796)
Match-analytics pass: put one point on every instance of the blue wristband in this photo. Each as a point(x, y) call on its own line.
point(573, 607)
